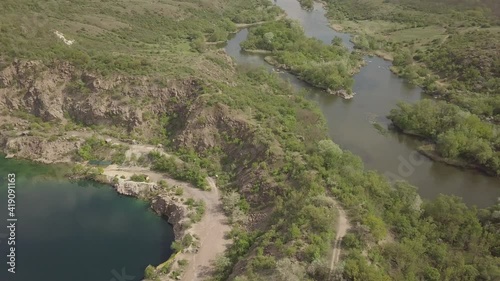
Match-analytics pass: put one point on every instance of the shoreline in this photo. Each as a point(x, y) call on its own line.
point(165, 202)
point(340, 93)
point(340, 28)
point(240, 26)
point(172, 207)
point(257, 51)
point(429, 150)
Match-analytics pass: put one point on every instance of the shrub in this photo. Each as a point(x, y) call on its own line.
point(139, 178)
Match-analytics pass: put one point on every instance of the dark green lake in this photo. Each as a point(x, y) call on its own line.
point(77, 231)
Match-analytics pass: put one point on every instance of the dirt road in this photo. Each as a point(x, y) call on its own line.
point(342, 228)
point(211, 229)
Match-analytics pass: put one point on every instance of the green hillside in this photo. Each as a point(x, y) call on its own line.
point(150, 72)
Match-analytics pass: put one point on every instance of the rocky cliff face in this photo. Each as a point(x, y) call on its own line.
point(40, 149)
point(175, 211)
point(62, 93)
point(164, 205)
point(132, 188)
point(204, 128)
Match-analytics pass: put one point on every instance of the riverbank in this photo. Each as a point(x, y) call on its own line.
point(246, 25)
point(387, 56)
point(343, 93)
point(461, 136)
point(339, 27)
point(431, 152)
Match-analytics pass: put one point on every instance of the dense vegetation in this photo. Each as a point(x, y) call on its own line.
point(457, 133)
point(325, 66)
point(178, 170)
point(307, 4)
point(266, 144)
point(100, 150)
point(253, 11)
point(438, 240)
point(446, 5)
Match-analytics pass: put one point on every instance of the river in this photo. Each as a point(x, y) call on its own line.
point(350, 121)
point(80, 231)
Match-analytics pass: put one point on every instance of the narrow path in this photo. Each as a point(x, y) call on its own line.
point(342, 228)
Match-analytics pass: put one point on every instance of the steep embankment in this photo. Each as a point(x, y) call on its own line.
point(40, 104)
point(130, 74)
point(49, 135)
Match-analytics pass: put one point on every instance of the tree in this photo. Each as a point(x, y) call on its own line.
point(480, 150)
point(330, 152)
point(230, 201)
point(377, 227)
point(451, 143)
point(337, 41)
point(268, 37)
point(289, 270)
point(456, 224)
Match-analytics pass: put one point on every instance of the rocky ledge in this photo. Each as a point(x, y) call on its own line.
point(163, 204)
point(175, 211)
point(39, 149)
point(341, 93)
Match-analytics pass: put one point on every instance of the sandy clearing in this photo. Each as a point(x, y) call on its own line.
point(211, 229)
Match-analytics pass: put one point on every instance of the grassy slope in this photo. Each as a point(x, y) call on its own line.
point(131, 36)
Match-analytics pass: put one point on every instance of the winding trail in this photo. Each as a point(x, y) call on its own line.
point(342, 227)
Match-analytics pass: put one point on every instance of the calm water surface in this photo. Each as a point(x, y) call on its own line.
point(350, 122)
point(77, 231)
